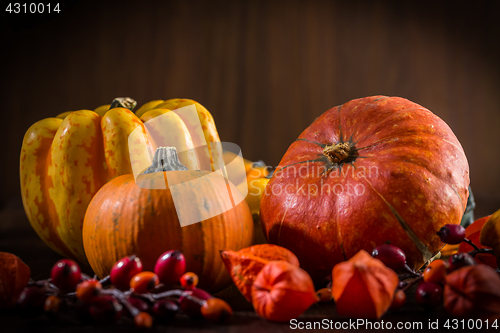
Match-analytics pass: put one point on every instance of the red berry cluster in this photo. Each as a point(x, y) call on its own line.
point(429, 292)
point(144, 296)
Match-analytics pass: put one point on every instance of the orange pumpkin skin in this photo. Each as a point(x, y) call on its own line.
point(406, 176)
point(124, 219)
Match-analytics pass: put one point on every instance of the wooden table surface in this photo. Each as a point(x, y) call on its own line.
point(17, 236)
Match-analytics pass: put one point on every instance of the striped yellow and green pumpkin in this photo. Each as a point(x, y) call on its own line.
point(66, 159)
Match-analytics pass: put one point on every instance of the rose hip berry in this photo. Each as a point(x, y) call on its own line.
point(137, 303)
point(429, 295)
point(52, 304)
point(399, 300)
point(143, 282)
point(452, 234)
point(143, 320)
point(31, 300)
point(435, 272)
point(123, 270)
point(189, 280)
point(165, 309)
point(66, 275)
point(392, 256)
point(459, 260)
point(105, 309)
point(87, 290)
point(170, 266)
point(190, 307)
point(324, 295)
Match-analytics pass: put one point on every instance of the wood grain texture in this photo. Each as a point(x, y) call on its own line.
point(264, 69)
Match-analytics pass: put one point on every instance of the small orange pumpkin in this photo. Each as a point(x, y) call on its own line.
point(128, 217)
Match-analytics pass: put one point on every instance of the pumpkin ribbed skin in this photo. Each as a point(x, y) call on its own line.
point(408, 177)
point(125, 219)
point(63, 164)
point(65, 160)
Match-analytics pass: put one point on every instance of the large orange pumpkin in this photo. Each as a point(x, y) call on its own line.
point(374, 170)
point(66, 159)
point(139, 217)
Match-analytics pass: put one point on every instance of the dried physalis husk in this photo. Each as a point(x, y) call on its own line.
point(271, 252)
point(472, 233)
point(244, 265)
point(282, 291)
point(14, 276)
point(473, 291)
point(363, 287)
point(216, 310)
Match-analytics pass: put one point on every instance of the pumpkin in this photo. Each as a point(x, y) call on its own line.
point(66, 159)
point(258, 175)
point(374, 170)
point(253, 182)
point(141, 217)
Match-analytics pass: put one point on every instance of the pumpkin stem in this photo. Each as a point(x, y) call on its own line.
point(165, 159)
point(123, 102)
point(338, 152)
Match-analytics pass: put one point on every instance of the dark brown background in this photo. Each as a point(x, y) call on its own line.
point(265, 69)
